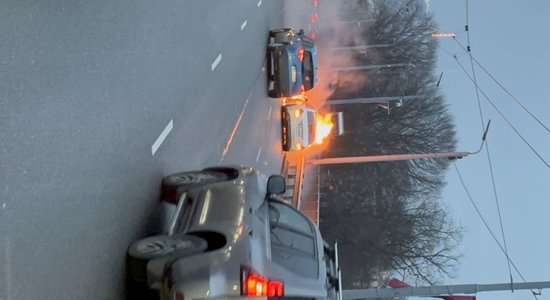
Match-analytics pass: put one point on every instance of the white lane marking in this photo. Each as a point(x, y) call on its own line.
point(8, 268)
point(162, 136)
point(258, 156)
point(259, 3)
point(216, 62)
point(243, 25)
point(269, 113)
point(230, 139)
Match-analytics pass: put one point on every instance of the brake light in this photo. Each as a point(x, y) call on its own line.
point(315, 3)
point(313, 36)
point(255, 285)
point(178, 296)
point(274, 289)
point(301, 54)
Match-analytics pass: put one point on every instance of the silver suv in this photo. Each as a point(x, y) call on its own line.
point(229, 236)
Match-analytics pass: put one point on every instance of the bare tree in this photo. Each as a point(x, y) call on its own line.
point(387, 216)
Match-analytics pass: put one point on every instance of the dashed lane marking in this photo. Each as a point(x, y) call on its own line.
point(243, 25)
point(269, 113)
point(162, 137)
point(258, 156)
point(216, 61)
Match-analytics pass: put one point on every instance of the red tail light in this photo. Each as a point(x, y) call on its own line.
point(313, 36)
point(301, 54)
point(274, 289)
point(254, 285)
point(178, 296)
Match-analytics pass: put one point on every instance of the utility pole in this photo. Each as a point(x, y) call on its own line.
point(442, 290)
point(371, 100)
point(368, 67)
point(358, 22)
point(396, 157)
point(359, 47)
point(379, 158)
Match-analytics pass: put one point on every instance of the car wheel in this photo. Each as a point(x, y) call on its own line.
point(274, 32)
point(140, 252)
point(273, 93)
point(176, 184)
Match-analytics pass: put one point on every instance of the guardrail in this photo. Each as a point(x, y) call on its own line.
point(293, 170)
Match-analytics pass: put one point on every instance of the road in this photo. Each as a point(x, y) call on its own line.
point(98, 101)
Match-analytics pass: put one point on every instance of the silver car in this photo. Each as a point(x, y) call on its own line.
point(230, 236)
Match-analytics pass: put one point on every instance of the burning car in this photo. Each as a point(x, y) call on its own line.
point(302, 127)
point(292, 63)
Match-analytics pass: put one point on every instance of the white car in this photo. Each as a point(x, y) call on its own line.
point(230, 238)
point(298, 124)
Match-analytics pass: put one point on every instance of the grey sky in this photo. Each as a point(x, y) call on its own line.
point(511, 40)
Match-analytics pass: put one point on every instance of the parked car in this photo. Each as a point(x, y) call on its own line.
point(231, 237)
point(292, 63)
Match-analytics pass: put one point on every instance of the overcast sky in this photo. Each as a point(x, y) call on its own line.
point(511, 40)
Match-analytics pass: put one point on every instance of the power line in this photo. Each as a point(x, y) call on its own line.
point(489, 227)
point(487, 148)
point(506, 90)
point(503, 116)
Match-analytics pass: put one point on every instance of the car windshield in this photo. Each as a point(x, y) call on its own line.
point(307, 71)
point(293, 244)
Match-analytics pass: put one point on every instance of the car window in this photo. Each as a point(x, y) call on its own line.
point(307, 42)
point(307, 70)
point(289, 217)
point(293, 244)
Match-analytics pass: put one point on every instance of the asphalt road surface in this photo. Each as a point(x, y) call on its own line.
point(98, 101)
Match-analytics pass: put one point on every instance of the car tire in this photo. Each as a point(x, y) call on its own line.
point(274, 32)
point(273, 93)
point(176, 184)
point(142, 251)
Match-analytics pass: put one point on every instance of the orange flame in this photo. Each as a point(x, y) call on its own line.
point(323, 127)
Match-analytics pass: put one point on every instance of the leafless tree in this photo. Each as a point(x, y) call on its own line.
point(387, 216)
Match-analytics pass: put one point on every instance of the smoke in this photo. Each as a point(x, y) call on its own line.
point(334, 30)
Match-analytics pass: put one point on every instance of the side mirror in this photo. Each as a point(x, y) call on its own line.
point(276, 184)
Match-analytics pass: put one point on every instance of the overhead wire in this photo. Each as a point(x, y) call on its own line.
point(487, 147)
point(504, 117)
point(506, 90)
point(489, 227)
